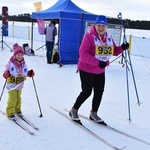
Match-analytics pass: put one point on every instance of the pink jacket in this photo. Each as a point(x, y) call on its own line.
point(87, 60)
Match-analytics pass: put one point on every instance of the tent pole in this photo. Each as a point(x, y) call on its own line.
point(81, 35)
point(32, 35)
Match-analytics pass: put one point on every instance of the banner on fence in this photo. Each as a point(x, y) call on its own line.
point(40, 22)
point(4, 21)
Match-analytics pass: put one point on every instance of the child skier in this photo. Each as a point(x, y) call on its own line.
point(15, 73)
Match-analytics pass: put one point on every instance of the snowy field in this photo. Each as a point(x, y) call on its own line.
point(59, 87)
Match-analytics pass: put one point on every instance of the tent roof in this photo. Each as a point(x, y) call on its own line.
point(64, 9)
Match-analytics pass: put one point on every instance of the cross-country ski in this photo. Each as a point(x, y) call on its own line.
point(28, 122)
point(19, 124)
point(115, 130)
point(88, 130)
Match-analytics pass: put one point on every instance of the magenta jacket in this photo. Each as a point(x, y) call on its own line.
point(87, 60)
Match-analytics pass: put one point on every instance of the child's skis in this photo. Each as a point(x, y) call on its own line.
point(19, 124)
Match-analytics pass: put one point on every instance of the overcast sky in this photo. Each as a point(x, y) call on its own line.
point(130, 9)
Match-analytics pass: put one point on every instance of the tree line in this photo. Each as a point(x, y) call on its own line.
point(138, 24)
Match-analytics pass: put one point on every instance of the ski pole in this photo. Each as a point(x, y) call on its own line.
point(3, 90)
point(127, 53)
point(130, 63)
point(124, 41)
point(41, 115)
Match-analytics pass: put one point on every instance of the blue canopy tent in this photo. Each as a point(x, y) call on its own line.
point(72, 20)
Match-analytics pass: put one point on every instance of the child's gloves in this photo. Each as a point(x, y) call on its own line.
point(30, 73)
point(6, 74)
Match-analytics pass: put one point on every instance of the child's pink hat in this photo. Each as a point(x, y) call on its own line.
point(17, 49)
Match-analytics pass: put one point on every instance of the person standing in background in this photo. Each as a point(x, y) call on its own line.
point(50, 32)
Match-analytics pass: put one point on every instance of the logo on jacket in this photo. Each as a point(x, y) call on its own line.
point(12, 69)
point(109, 39)
point(25, 70)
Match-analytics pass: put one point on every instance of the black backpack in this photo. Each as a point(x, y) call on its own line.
point(55, 57)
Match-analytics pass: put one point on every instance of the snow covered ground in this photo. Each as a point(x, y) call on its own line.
point(59, 87)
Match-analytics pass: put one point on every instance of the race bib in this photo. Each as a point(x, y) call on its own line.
point(15, 80)
point(104, 50)
point(104, 53)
